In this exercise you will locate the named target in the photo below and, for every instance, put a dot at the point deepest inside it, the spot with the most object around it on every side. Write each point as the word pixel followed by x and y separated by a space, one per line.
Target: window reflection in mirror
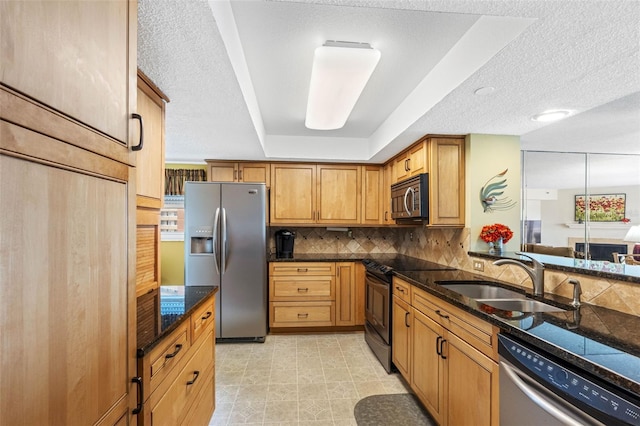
pixel 579 205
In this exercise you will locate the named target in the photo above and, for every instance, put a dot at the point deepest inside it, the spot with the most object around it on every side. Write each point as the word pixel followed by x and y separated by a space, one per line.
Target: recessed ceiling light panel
pixel 551 115
pixel 340 72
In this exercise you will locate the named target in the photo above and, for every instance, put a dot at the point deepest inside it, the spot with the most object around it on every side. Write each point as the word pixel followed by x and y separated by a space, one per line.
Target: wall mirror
pixel 579 205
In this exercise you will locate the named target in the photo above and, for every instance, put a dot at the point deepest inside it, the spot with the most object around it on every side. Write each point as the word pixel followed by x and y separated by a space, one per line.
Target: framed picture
pixel 602 207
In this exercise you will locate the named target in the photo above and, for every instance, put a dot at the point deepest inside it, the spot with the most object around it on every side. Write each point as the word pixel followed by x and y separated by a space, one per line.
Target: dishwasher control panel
pixel 569 383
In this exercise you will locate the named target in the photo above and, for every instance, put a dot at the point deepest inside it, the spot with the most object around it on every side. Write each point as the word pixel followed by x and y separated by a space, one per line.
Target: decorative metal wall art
pixel 491 194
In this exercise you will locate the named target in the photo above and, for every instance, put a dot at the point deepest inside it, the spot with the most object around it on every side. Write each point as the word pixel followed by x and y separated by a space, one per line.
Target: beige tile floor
pixel 297 380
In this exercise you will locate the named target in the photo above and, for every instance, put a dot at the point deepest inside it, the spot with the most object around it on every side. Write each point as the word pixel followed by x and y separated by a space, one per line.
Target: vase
pixel 496 246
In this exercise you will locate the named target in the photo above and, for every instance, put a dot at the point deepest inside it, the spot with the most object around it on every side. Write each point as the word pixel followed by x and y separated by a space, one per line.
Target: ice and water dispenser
pixel 202 240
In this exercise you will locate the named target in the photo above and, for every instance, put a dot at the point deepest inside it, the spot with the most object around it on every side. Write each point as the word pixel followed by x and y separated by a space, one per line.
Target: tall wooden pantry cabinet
pixel 68 197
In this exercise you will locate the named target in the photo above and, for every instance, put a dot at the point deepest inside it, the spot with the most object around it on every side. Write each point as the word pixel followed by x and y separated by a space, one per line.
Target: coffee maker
pixel 284 244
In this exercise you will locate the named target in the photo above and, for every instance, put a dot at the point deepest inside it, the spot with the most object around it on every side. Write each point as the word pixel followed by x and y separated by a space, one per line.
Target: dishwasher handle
pixel 561 412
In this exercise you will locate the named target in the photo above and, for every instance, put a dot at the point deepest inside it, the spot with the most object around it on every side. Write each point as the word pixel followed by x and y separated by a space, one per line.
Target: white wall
pixel 557 214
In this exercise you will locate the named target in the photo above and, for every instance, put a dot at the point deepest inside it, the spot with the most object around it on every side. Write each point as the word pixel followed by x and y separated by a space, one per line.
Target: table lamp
pixel 633 236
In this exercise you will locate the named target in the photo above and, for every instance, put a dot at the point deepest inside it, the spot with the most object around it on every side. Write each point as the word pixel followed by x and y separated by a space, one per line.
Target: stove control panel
pixel 569 383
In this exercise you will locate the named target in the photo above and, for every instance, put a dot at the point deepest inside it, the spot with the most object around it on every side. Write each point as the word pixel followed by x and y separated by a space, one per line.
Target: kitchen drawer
pixel 171 407
pixel 302 314
pixel 202 320
pixel 166 359
pixel 302 288
pixel 402 289
pixel 302 268
pixel 200 412
pixel 476 332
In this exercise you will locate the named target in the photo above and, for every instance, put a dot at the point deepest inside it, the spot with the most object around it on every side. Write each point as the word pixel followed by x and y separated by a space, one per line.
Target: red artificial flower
pixel 492 233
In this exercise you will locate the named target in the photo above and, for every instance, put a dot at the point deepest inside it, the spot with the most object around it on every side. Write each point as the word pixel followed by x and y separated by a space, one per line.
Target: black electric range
pixel 382 266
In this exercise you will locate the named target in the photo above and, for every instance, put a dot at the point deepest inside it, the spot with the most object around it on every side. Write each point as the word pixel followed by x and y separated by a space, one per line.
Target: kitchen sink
pixel 483 291
pixel 520 305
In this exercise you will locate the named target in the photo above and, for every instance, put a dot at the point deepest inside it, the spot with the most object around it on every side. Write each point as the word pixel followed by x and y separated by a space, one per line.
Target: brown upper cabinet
pixel 150 159
pixel 411 162
pixel 443 158
pixel 231 171
pixel 315 194
pixel 356 194
pixel 373 195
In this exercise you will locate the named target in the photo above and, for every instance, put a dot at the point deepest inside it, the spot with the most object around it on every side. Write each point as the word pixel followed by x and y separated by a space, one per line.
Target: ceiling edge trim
pixel 223 15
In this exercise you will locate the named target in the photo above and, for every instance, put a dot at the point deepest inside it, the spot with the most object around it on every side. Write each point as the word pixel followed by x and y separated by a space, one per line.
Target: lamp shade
pixel 633 236
pixel 340 72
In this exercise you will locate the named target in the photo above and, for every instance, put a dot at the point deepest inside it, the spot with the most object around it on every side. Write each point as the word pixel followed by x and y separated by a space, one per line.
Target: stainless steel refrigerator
pixel 225 245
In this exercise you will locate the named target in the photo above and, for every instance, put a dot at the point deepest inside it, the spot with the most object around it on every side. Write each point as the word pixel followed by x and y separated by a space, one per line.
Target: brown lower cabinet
pixel 448 357
pixel 315 294
pixel 179 373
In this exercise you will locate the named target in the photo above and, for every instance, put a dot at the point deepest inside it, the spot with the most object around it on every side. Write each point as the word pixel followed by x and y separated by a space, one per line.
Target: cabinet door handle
pixel 442 342
pixel 206 317
pixel 302 290
pixel 408 164
pixel 138 381
pixel 406 315
pixel 195 377
pixel 438 346
pixel 235 174
pixel 239 174
pixel 175 352
pixel 385 215
pixel 441 315
pixel 141 141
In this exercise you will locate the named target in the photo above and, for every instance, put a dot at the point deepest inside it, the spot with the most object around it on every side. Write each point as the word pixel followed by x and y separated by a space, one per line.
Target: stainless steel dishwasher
pixel 536 389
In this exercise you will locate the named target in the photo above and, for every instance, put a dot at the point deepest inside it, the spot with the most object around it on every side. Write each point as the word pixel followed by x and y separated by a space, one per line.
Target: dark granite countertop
pixel 177 302
pixel 597 268
pixel 601 341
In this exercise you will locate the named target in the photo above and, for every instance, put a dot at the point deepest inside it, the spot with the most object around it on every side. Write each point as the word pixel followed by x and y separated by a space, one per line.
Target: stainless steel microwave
pixel 410 199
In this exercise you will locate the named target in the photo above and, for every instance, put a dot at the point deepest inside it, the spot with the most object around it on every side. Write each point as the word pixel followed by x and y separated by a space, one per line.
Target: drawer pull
pixel 303 269
pixel 195 377
pixel 302 290
pixel 206 317
pixel 442 315
pixel 400 289
pixel 178 348
pixel 303 315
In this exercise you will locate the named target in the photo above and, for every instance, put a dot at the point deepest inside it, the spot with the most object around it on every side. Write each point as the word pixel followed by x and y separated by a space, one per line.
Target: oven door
pixel 378 304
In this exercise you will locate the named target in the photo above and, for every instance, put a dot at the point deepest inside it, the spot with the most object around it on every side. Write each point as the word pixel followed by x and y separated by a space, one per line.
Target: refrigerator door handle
pixel 216 220
pixel 225 241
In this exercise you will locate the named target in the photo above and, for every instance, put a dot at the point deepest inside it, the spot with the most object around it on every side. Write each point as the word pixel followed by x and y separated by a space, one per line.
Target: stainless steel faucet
pixel 577 291
pixel 536 273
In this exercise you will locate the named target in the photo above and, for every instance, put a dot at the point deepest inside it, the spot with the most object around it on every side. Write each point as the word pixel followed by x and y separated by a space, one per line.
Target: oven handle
pixel 406 195
pixel 375 282
pixel 539 399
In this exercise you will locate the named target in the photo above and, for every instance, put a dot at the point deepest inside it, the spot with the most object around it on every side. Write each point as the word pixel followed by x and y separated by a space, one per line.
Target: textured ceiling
pixel 237 74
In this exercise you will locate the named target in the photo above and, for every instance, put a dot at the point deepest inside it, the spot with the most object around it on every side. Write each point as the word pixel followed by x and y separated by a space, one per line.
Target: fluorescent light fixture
pixel 340 72
pixel 551 115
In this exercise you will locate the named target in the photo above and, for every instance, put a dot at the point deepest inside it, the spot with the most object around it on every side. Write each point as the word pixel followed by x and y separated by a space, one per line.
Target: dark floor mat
pixel 396 409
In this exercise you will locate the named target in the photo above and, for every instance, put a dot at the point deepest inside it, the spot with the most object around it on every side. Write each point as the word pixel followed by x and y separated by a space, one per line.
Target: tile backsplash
pixel 449 246
pixel 355 240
